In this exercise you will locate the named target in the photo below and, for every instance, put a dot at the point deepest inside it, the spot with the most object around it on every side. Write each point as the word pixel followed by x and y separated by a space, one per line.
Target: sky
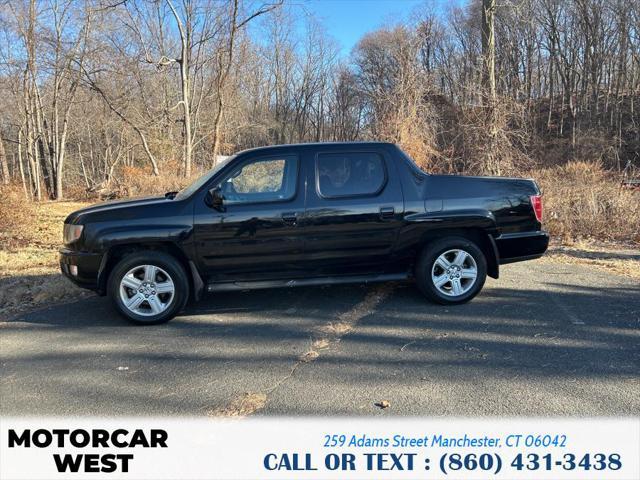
pixel 348 20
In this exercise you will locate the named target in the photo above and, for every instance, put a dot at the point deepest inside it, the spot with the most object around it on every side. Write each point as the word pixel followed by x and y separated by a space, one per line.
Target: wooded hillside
pixel 111 96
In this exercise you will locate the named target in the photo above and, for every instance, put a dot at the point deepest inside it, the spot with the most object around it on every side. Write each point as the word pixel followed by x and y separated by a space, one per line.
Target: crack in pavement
pixel 324 338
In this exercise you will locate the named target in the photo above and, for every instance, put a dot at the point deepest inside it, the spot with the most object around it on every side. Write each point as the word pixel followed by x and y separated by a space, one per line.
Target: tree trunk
pixel 4 167
pixel 488 47
pixel 224 69
pixel 21 168
pixel 185 83
pixel 216 129
pixel 188 144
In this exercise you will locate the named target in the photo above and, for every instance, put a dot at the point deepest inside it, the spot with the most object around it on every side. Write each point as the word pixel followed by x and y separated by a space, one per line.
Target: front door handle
pixel 387 212
pixel 290 218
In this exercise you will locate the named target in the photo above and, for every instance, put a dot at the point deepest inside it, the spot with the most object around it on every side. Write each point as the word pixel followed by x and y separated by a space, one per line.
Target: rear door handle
pixel 290 217
pixel 387 212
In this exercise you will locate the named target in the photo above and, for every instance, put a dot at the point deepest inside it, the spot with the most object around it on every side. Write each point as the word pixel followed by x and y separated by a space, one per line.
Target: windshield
pixel 200 181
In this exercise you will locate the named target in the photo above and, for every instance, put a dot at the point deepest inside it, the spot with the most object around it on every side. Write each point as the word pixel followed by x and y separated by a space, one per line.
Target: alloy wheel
pixel 454 272
pixel 147 290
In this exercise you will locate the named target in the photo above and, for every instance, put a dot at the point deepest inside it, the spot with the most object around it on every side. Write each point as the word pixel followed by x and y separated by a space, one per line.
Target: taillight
pixel 536 203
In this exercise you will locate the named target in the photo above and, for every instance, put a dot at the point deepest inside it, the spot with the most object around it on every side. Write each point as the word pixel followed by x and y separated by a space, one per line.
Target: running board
pixel 305 282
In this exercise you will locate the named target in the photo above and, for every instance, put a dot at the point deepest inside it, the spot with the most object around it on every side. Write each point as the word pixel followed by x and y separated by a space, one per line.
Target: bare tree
pixel 4 167
pixel 225 60
pixel 109 95
pixel 64 35
pixel 488 47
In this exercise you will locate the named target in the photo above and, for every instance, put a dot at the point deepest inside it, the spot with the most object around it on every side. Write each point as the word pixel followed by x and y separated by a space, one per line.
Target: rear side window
pixel 349 174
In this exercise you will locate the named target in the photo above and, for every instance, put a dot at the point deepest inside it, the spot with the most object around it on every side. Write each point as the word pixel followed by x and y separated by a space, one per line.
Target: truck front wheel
pixel 451 270
pixel 148 287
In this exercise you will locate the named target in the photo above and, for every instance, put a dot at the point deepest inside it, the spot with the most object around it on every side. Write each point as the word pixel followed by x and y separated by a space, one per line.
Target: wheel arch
pixel 117 252
pixel 480 237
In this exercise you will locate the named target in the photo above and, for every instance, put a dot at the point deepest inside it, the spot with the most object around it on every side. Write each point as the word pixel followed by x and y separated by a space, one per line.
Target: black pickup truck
pixel 308 214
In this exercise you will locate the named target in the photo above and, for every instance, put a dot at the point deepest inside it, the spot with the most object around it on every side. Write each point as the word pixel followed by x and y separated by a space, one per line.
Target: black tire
pixel 167 265
pixel 425 268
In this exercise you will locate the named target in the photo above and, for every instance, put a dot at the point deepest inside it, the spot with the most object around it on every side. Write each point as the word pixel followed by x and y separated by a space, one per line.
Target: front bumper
pixel 82 268
pixel 517 247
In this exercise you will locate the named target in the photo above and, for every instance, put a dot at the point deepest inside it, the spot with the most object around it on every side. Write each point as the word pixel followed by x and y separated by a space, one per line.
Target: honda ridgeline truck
pixel 301 215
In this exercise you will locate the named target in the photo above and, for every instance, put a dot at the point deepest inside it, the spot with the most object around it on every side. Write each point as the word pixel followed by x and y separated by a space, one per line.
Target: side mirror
pixel 215 199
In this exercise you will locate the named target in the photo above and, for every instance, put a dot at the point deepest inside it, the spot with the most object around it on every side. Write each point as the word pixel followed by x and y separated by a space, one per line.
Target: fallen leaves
pixel 332 332
pixel 309 356
pixel 320 344
pixel 242 406
pixel 346 321
pixel 25 291
pixel 336 329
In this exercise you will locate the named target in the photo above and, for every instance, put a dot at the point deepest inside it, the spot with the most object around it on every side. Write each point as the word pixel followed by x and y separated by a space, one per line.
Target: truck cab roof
pixel 311 145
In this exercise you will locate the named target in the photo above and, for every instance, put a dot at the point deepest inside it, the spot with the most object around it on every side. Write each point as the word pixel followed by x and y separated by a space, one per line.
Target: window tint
pixel 349 174
pixel 262 180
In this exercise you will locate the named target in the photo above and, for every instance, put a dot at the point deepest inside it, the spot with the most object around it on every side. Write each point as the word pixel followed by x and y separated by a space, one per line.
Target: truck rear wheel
pixel 451 270
pixel 148 287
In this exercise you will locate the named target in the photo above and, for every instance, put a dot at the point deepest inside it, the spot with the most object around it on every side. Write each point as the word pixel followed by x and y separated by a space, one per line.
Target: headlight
pixel 71 233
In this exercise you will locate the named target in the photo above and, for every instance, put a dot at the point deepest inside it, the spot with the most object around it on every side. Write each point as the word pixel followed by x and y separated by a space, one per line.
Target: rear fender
pixel 475 224
pixel 469 218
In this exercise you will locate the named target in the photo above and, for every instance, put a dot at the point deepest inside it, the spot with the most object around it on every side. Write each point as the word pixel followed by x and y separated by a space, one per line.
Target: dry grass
pixel 137 182
pixel 615 258
pixel 493 138
pixel 30 236
pixel 584 202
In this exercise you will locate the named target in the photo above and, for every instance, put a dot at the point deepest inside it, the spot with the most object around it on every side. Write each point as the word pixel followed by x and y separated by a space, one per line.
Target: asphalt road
pixel 545 339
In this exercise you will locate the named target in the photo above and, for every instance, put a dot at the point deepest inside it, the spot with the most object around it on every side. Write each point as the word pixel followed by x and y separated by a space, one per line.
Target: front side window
pixel 262 180
pixel 199 182
pixel 349 174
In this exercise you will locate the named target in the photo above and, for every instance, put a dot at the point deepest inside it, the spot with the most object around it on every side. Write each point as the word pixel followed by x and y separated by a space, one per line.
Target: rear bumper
pixel 518 247
pixel 81 268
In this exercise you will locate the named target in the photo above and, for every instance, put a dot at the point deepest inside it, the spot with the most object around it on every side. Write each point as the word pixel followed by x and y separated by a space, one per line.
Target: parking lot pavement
pixel 546 339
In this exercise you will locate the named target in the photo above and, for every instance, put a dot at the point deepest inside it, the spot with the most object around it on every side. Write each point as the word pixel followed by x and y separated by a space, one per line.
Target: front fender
pixel 107 237
pixel 113 240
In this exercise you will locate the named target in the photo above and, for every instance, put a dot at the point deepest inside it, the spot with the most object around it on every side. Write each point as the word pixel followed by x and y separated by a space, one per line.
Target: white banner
pixel 320 448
